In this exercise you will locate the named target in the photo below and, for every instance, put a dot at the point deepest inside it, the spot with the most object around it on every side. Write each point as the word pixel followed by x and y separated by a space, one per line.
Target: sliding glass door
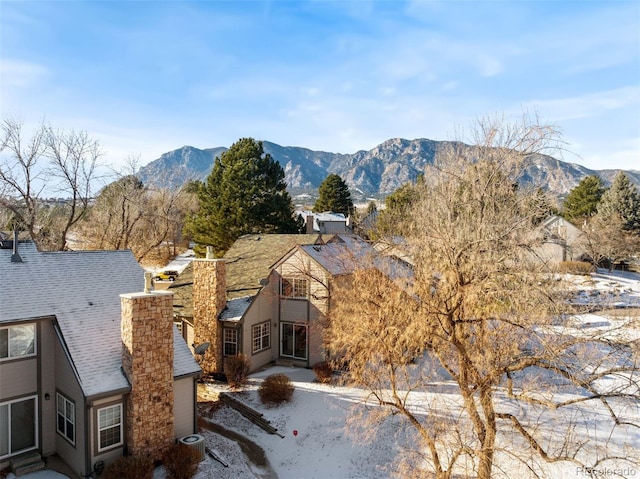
pixel 18 426
pixel 293 340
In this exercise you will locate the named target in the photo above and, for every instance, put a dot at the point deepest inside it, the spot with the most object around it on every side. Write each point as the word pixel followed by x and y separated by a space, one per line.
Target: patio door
pixel 293 340
pixel 18 426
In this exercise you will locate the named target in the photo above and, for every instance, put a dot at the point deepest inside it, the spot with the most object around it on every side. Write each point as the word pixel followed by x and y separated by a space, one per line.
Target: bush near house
pixel 236 368
pixel 576 267
pixel 130 467
pixel 275 389
pixel 181 461
pixel 323 371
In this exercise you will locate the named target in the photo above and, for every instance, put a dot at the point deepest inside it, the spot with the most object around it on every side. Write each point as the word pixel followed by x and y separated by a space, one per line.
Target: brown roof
pixel 248 261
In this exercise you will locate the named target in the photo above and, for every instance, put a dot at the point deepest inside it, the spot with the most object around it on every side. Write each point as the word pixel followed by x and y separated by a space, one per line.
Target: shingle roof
pixel 248 261
pixel 342 255
pixel 82 290
pixel 236 308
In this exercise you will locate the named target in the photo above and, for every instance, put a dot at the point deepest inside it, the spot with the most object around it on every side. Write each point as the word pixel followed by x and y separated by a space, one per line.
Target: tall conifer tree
pixel 582 201
pixel 623 199
pixel 334 196
pixel 245 193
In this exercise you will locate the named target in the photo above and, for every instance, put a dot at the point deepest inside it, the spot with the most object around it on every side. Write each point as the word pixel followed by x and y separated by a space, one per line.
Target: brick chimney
pixel 147 360
pixel 209 299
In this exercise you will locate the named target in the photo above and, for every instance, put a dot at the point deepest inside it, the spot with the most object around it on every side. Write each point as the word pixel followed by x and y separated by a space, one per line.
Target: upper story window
pixel 294 287
pixel 17 341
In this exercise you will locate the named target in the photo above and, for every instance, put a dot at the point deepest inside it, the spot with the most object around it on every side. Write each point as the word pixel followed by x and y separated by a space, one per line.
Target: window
pixel 66 418
pixel 230 342
pixel 18 426
pixel 17 341
pixel 109 427
pixel 261 336
pixel 294 287
pixel 294 340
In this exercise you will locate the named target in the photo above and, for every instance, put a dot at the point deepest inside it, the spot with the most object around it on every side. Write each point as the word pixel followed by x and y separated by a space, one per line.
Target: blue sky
pixel 147 77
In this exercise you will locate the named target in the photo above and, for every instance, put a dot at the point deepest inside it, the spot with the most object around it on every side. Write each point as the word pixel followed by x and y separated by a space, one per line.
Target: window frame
pixel 99 429
pixel 64 434
pixel 34 349
pixel 297 284
pixel 9 404
pixel 225 342
pixel 264 331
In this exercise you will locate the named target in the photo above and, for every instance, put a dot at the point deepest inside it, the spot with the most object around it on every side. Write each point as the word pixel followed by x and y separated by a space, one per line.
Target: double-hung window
pixel 294 287
pixel 230 341
pixel 66 418
pixel 17 341
pixel 109 427
pixel 261 336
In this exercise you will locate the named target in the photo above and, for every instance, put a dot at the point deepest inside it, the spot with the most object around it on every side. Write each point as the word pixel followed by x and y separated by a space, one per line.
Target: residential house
pixel 325 223
pixel 91 365
pixel 247 266
pixel 271 311
pixel 560 241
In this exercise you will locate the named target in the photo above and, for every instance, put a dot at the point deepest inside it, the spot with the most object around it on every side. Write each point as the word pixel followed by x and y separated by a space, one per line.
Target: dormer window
pixel 294 287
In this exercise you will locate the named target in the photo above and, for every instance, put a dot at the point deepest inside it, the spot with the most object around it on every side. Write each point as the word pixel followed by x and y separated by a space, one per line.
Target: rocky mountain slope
pixel 370 174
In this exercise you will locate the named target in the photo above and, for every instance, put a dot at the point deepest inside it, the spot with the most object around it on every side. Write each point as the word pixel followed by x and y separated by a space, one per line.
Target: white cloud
pixel 585 106
pixel 21 74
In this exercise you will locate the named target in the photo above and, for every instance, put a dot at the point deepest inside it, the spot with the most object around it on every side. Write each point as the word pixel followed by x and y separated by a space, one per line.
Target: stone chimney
pixel 209 299
pixel 147 360
pixel 308 221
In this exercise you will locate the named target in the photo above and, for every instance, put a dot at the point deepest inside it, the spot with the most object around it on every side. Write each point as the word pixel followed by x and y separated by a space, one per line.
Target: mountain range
pixel 369 173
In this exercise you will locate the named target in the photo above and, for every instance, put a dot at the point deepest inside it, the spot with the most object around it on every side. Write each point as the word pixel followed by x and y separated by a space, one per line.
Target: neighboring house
pixel 281 318
pixel 561 241
pixel 325 223
pixel 90 367
pixel 248 264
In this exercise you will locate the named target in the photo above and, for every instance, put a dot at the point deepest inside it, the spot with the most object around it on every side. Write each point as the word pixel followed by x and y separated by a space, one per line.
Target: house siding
pixel 183 410
pixel 310 311
pixel 48 348
pixel 261 310
pixel 67 384
pixel 110 455
pixel 18 378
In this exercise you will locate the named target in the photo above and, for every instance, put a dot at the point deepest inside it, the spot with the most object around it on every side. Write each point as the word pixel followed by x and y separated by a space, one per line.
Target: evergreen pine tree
pixel 623 199
pixel 582 201
pixel 334 196
pixel 245 193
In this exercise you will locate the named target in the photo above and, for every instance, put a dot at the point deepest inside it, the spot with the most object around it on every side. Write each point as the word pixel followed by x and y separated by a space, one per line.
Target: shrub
pixel 576 267
pixel 130 467
pixel 323 371
pixel 181 461
pixel 236 368
pixel 275 389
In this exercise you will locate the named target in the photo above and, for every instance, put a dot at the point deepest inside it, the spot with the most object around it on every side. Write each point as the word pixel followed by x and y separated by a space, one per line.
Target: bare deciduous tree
pixel 480 313
pixel 57 163
pixel 127 215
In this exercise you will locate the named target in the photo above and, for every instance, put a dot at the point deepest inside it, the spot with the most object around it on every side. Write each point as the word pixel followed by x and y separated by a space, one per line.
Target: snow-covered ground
pixel 318 442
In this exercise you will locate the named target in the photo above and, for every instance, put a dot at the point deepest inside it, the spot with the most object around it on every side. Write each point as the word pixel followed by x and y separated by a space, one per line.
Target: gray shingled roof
pixel 236 308
pixel 82 290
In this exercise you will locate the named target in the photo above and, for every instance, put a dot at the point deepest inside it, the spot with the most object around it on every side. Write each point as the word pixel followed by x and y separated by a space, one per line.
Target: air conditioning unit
pixel 195 441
